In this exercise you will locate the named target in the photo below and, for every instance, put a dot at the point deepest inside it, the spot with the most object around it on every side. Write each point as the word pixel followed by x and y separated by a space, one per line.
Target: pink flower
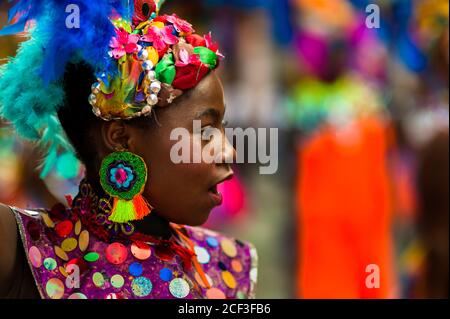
pixel 123 43
pixel 160 38
pixel 179 24
pixel 186 59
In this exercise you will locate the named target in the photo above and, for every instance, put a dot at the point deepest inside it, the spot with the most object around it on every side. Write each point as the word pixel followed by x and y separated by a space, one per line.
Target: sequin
pixel 61 253
pixel 179 288
pixel 112 296
pixel 98 279
pixel 212 242
pixel 228 247
pixel 215 293
pixel 35 256
pixel 116 253
pixel 69 244
pixel 64 228
pixel 117 281
pixel 200 280
pixel 54 288
pixel 83 240
pixel 202 255
pixel 166 274
pixel 77 229
pixel 135 269
pixel 236 265
pixel 229 280
pixel 47 221
pixel 141 286
pixel 140 250
pixel 50 264
pixel 77 295
pixel 91 257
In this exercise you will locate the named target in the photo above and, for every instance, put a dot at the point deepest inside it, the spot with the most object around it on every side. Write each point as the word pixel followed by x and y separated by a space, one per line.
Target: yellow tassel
pixel 124 211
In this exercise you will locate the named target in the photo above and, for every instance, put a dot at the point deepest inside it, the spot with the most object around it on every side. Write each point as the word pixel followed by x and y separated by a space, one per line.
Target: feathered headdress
pixel 141 59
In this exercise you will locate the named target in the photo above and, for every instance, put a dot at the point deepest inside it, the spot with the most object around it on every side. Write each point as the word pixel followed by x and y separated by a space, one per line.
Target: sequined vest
pixel 69 261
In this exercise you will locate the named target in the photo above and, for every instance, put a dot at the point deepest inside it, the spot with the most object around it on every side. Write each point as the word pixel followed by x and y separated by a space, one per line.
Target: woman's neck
pixel 154 225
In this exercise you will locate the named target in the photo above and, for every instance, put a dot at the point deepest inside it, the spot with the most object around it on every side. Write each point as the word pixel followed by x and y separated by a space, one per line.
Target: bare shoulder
pixel 8 247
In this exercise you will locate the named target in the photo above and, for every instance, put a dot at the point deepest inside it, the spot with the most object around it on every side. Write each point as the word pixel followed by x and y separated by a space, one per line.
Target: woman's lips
pixel 215 195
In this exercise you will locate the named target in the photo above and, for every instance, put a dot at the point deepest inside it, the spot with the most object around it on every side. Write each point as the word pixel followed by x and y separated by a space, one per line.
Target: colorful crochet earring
pixel 123 176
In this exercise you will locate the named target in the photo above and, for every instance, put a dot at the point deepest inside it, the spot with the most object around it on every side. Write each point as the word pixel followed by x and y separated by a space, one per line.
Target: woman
pixel 129 78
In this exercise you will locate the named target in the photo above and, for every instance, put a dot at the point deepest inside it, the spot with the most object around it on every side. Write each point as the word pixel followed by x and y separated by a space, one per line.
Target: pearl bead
pixel 92 99
pixel 152 99
pixel 147 65
pixel 95 88
pixel 146 109
pixel 151 75
pixel 96 111
pixel 155 87
pixel 143 54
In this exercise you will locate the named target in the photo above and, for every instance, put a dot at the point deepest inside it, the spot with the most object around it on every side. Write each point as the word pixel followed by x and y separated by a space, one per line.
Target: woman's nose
pixel 228 151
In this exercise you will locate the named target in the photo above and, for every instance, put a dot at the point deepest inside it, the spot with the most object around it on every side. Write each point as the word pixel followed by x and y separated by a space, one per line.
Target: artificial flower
pixel 161 38
pixel 123 43
pixel 184 58
pixel 182 26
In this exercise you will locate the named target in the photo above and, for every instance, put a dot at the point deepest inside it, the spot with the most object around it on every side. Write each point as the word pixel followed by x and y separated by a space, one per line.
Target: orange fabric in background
pixel 344 211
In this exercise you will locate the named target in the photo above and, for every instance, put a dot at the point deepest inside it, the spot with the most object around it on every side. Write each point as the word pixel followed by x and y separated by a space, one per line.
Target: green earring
pixel 123 176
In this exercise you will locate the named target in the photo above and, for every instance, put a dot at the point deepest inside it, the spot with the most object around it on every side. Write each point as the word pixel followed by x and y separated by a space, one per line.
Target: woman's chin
pixel 200 218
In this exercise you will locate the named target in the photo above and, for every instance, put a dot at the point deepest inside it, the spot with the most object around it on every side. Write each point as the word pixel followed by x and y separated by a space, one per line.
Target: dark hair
pixel 76 115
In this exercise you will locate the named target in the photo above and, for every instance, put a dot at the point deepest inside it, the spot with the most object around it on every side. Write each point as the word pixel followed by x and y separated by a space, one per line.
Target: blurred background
pixel 360 101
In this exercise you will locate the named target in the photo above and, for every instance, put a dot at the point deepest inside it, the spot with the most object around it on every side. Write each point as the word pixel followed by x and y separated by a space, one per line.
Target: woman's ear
pixel 115 135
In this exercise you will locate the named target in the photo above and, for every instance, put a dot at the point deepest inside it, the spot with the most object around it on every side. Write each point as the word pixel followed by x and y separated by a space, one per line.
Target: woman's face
pixel 185 193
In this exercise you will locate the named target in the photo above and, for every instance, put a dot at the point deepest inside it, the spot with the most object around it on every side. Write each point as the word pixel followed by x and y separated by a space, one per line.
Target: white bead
pixel 146 109
pixel 143 54
pixel 95 88
pixel 147 65
pixel 151 75
pixel 92 99
pixel 96 111
pixel 155 87
pixel 152 99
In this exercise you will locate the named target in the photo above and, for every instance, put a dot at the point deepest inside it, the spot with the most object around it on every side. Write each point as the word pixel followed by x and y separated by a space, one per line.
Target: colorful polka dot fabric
pixel 67 261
